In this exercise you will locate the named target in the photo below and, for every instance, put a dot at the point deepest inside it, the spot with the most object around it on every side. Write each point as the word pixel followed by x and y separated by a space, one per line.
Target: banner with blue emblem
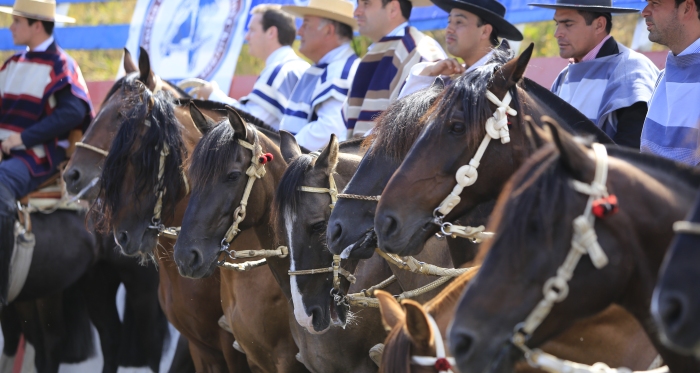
pixel 190 38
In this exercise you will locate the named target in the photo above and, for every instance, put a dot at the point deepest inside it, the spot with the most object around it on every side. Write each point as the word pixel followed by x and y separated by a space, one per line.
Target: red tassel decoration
pixel 604 207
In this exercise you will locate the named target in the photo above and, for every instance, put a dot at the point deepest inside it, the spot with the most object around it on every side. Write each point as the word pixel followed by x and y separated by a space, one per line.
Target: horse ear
pixel 147 76
pixel 513 70
pixel 329 156
pixel 572 155
pixel 288 146
pixel 237 122
pixel 129 64
pixel 392 313
pixel 203 122
pixel 417 325
pixel 438 83
pixel 537 135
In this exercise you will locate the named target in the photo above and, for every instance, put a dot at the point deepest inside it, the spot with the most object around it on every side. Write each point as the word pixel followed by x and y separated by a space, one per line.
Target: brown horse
pixel 534 226
pixel 411 334
pixel 407 214
pixel 193 307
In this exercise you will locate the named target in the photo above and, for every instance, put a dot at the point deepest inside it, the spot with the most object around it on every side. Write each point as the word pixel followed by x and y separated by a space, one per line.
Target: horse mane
pixel 129 79
pixel 450 294
pixel 155 111
pixel 537 191
pixel 401 123
pixel 287 196
pixel 468 92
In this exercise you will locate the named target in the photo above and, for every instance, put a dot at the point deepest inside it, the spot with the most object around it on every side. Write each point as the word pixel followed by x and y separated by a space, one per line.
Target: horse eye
pixel 318 227
pixel 458 128
pixel 233 176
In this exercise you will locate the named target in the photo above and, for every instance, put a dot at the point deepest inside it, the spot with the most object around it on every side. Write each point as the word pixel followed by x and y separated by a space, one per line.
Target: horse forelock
pixel 210 157
pixel 138 148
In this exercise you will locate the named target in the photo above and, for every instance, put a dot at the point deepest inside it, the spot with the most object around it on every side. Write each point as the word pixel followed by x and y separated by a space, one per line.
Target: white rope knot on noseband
pixel 440 361
pixel 496 128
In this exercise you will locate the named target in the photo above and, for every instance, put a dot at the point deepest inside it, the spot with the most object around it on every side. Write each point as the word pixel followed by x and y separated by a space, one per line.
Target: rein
pixel 556 289
pixel 496 128
pixel 440 361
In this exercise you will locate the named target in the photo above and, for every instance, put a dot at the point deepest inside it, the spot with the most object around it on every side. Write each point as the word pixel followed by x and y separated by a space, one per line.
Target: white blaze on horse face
pixel 299 310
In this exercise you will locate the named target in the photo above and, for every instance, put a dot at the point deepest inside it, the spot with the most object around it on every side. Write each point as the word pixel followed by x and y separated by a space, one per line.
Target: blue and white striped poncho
pixel 671 127
pixel 599 87
pixel 330 79
pixel 276 82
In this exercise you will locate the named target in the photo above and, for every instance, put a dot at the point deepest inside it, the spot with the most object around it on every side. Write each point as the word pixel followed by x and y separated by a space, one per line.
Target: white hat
pixel 43 10
pixel 336 10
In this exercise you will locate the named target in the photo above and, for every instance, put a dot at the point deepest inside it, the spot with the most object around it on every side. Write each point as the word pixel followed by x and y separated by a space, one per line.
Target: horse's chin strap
pixel 441 362
pixel 255 171
pixel 496 128
pixel 556 289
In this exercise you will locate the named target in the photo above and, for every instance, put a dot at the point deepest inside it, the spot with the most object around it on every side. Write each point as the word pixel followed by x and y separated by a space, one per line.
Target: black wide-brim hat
pixel 491 11
pixel 599 6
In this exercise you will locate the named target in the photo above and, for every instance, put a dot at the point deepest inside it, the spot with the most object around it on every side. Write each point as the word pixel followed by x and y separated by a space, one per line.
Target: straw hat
pixel 600 6
pixel 43 10
pixel 336 10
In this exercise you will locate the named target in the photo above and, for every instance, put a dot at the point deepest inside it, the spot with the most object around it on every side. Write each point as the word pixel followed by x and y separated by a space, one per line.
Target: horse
pixel 210 346
pixel 409 211
pixel 411 334
pixel 351 224
pixel 623 233
pixel 674 302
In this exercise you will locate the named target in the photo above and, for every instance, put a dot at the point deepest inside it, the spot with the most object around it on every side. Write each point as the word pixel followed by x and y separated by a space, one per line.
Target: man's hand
pixel 449 66
pixel 13 141
pixel 204 91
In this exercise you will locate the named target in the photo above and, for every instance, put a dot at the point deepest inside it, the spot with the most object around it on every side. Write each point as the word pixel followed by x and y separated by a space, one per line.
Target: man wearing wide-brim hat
pixel 606 81
pixel 396 48
pixel 44 97
pixel 472 33
pixel 313 112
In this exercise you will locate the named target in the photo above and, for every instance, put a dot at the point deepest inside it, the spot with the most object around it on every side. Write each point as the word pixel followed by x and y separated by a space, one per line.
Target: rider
pixel 271 33
pixel 396 48
pixel 671 126
pixel 472 34
pixel 43 97
pixel 609 83
pixel 314 110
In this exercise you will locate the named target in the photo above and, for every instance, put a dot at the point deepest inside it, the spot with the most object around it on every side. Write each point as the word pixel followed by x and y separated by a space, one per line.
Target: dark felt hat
pixel 600 6
pixel 491 11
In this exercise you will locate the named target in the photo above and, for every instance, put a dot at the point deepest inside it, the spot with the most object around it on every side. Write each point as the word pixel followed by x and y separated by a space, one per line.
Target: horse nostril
pixel 335 232
pixel 72 175
pixel 389 226
pixel 122 238
pixel 461 344
pixel 672 309
pixel 195 258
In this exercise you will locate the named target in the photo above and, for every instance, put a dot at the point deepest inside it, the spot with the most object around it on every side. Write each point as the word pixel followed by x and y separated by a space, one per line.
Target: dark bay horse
pixel 222 171
pixel 675 304
pixel 406 214
pixel 411 334
pixel 534 226
pixel 193 307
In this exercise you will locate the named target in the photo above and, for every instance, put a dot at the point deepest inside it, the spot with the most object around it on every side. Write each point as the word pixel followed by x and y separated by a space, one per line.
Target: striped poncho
pixel 671 128
pixel 599 87
pixel 381 75
pixel 28 82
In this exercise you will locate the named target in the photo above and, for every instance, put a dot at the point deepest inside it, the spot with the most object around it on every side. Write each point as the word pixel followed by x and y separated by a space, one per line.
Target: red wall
pixel 542 70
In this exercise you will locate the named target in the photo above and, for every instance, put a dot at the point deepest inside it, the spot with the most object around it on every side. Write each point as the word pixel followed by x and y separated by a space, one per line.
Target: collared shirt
pixel 692 48
pixel 593 53
pixel 43 46
pixel 399 31
pixel 415 82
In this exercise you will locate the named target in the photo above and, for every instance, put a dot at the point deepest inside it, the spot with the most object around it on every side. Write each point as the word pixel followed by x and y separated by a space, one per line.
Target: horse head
pixel 557 207
pixel 304 200
pixel 230 192
pixel 85 166
pixel 351 225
